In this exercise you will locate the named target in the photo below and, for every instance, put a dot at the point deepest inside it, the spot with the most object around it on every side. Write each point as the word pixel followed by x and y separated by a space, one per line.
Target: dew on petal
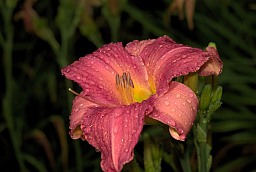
pixel 189 101
pixel 87 130
pixel 67 70
pixel 191 95
pixel 115 131
pixel 178 96
pixel 167 103
pixel 117 114
pixel 180 131
pixel 171 123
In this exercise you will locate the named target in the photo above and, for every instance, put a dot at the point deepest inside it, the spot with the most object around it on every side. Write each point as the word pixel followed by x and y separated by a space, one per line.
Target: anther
pixel 117 80
pixel 125 86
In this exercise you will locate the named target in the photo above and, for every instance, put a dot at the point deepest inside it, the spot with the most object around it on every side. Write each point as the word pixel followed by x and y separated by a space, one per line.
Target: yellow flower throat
pixel 129 91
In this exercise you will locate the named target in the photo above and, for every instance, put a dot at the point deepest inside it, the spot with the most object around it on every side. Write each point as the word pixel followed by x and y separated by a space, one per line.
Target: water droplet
pixel 87 90
pixel 87 130
pixel 115 131
pixel 78 77
pixel 68 70
pixel 167 103
pixel 189 101
pixel 81 104
pixel 191 95
pixel 171 123
pixel 173 110
pixel 180 131
pixel 117 114
pixel 184 104
pixel 178 96
pixel 126 150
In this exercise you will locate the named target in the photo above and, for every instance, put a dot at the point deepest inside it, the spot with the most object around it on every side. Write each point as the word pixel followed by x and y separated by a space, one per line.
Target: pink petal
pixel 165 59
pixel 177 108
pixel 80 107
pixel 214 65
pixel 96 73
pixel 115 132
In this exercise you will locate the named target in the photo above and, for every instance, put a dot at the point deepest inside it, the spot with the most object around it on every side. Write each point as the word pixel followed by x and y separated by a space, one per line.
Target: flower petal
pixel 177 108
pixel 115 132
pixel 96 73
pixel 165 59
pixel 214 65
pixel 79 109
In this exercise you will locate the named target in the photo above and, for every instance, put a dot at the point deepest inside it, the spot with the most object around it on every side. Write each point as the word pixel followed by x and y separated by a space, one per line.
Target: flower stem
pixel 185 161
pixel 202 145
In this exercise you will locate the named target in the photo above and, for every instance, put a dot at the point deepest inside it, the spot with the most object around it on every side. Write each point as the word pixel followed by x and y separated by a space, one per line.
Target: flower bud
pixel 205 97
pixel 217 94
pixel 191 80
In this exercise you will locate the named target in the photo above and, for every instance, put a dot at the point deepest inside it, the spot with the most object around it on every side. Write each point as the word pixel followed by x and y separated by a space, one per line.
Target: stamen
pixel 125 86
pixel 131 83
pixel 117 80
pixel 72 91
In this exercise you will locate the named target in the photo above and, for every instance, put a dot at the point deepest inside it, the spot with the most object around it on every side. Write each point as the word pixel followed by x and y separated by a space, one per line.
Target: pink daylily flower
pixel 123 85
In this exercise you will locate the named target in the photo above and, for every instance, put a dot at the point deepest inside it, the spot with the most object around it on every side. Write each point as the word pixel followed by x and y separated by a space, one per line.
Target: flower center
pixel 125 86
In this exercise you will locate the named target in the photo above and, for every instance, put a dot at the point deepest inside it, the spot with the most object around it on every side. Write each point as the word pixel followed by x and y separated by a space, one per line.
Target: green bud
pixel 217 94
pixel 191 80
pixel 205 97
pixel 212 44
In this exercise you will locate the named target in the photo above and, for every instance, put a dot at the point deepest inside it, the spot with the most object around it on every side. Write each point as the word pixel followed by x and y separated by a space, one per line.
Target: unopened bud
pixel 205 97
pixel 217 94
pixel 191 80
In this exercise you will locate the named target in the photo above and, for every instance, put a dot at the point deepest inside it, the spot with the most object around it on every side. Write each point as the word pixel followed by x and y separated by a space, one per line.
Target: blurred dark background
pixel 38 38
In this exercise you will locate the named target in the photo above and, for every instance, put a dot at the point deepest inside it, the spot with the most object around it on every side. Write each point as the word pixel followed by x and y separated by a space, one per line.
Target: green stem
pixel 202 144
pixel 185 162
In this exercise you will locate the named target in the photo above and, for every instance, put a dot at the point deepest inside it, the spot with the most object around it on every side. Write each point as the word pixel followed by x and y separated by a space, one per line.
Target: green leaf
pixel 153 154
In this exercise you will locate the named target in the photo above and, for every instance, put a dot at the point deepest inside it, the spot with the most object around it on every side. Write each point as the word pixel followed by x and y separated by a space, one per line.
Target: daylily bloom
pixel 123 85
